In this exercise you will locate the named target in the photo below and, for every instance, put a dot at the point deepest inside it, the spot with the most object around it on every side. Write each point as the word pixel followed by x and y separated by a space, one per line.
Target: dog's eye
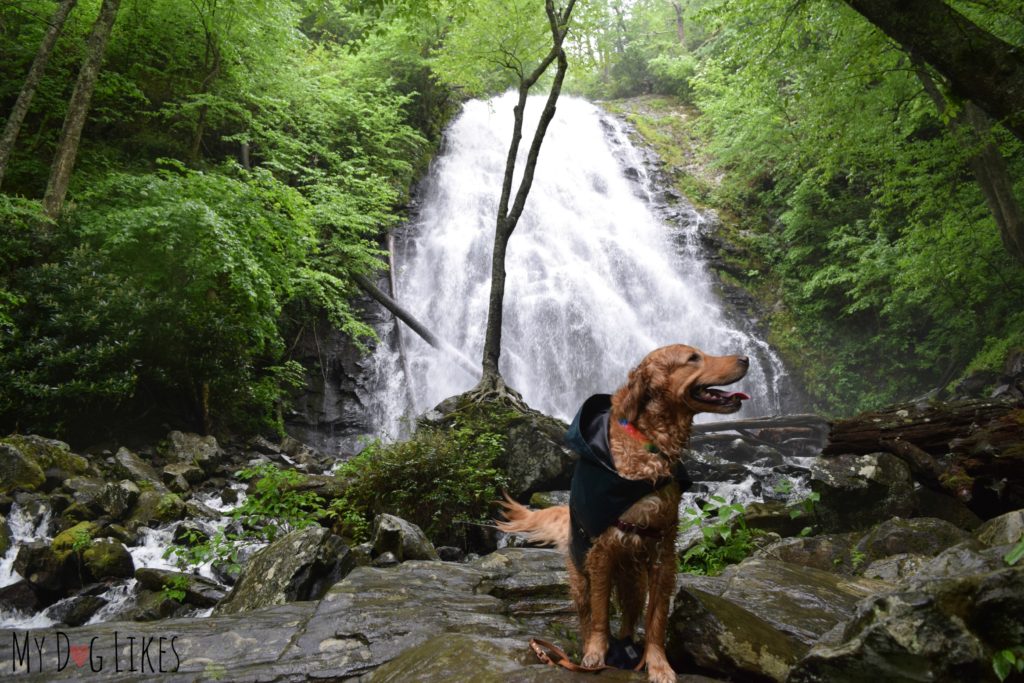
pixel 694 358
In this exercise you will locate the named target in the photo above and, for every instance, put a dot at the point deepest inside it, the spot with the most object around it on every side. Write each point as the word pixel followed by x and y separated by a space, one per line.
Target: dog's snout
pixel 743 360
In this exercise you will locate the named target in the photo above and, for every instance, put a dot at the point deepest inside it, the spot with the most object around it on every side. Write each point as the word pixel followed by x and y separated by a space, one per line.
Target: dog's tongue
pixel 738 394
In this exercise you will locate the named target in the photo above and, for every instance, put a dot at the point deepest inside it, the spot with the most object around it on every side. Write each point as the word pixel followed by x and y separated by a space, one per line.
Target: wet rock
pixel 931 503
pixel 45 569
pixel 761 618
pixel 153 508
pixel 534 584
pixel 827 552
pixel 5 536
pixel 1002 530
pixel 75 539
pixel 448 553
pixel 302 565
pixel 860 490
pixel 404 539
pixel 941 630
pixel 919 536
pixel 87 492
pixel 202 451
pixel 229 496
pixel 895 568
pixel 199 592
pixel 19 596
pixel 17 472
pixel 77 610
pixel 25 459
pixel 190 534
pixel 117 498
pixel 108 560
pixel 263 446
pixel 960 560
pixel 198 510
pixel 155 605
pixel 549 499
pixel 386 559
pixel 128 464
pixel 774 516
pixel 188 471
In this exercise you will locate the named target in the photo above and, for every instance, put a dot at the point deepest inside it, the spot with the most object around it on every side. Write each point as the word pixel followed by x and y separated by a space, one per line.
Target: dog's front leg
pixel 662 582
pixel 599 567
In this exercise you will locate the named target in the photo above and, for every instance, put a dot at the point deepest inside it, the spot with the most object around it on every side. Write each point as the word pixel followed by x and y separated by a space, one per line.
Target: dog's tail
pixel 549 526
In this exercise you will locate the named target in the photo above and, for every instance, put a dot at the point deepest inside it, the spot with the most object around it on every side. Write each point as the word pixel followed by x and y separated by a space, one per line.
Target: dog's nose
pixel 742 360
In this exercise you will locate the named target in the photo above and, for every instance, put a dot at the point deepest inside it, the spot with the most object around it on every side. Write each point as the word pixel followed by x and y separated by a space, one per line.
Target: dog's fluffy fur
pixel 661 397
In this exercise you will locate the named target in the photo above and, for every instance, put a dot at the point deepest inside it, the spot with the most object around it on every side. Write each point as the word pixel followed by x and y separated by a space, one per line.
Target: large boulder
pixel 404 539
pixel 759 617
pixel 860 490
pixel 938 630
pixel 76 610
pixel 108 560
pixel 25 460
pixel 535 457
pixel 198 591
pixel 18 472
pixel 203 451
pixel 924 536
pixel 129 465
pixel 827 552
pixel 302 565
pixel 153 507
pixel 118 497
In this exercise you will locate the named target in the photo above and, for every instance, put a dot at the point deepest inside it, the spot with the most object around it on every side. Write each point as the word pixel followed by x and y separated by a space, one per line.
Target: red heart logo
pixel 80 653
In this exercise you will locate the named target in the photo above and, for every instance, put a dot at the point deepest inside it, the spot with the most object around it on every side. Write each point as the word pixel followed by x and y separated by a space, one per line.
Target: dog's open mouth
pixel 718 397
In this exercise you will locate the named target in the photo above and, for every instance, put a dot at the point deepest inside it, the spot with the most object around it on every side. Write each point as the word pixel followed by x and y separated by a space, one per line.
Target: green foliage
pixel 439 479
pixel 174 588
pixel 1016 552
pixel 1006 661
pixel 805 508
pixel 275 506
pixel 725 538
pixel 81 541
pixel 172 280
pixel 857 558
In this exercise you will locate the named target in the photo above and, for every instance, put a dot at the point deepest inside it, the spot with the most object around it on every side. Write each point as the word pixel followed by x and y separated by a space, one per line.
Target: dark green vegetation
pixel 444 479
pixel 238 164
pixel 241 160
pixel 857 185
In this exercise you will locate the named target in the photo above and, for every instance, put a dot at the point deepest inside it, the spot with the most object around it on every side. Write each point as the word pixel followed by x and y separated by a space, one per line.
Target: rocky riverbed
pixel 880 578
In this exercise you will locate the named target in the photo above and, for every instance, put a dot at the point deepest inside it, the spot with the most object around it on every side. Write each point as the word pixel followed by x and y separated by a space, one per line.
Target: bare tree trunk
pixel 680 23
pixel 979 66
pixel 508 218
pixel 211 75
pixel 78 108
pixel 28 89
pixel 988 165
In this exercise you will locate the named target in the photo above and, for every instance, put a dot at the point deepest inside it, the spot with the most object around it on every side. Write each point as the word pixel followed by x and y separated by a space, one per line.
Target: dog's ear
pixel 638 392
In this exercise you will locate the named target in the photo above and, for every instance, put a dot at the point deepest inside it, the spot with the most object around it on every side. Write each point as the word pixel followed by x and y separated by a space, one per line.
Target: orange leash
pixel 552 655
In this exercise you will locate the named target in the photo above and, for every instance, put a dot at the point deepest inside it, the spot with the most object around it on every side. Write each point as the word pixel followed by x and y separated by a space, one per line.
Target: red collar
pixel 638 435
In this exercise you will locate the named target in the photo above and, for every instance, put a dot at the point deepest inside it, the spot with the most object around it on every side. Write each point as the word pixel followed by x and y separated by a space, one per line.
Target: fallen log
pixel 815 422
pixel 973 450
pixel 929 426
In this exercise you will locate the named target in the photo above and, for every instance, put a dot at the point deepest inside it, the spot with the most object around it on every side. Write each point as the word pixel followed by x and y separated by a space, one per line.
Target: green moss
pixel 75 539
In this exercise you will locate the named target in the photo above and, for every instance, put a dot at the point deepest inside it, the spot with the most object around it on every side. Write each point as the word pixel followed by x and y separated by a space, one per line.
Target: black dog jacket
pixel 598 495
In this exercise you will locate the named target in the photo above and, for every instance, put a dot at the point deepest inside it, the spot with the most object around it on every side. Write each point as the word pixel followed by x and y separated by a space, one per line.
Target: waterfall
pixel 595 277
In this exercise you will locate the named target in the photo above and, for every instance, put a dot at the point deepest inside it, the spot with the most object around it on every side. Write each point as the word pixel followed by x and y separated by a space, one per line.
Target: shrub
pixel 438 479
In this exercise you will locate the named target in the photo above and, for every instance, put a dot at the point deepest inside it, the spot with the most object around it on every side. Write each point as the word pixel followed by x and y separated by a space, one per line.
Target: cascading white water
pixel 595 280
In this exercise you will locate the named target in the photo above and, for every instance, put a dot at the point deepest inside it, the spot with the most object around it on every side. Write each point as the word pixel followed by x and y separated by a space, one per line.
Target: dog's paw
pixel 660 673
pixel 593 659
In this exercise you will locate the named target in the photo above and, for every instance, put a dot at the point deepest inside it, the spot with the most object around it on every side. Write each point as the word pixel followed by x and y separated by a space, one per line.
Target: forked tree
pixel 510 208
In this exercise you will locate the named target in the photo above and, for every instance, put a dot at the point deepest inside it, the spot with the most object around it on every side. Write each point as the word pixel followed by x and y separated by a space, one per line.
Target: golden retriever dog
pixel 620 526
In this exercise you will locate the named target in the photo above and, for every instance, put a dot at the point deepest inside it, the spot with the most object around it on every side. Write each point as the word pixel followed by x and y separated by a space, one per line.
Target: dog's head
pixel 682 378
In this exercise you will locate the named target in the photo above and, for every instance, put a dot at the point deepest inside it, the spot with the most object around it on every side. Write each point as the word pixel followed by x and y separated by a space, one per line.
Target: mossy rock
pixel 63 543
pixel 155 507
pixel 47 453
pixel 109 560
pixel 17 472
pixel 5 536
